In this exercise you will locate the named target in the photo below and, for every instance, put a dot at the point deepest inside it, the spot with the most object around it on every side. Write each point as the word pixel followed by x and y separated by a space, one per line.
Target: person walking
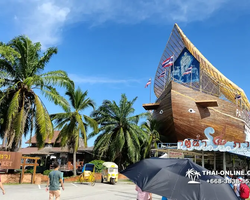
pixel 1 186
pixel 143 195
pixel 230 178
pixel 53 185
pixel 241 189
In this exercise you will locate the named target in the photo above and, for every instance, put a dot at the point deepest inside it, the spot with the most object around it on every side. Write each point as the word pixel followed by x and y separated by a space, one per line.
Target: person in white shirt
pixel 237 187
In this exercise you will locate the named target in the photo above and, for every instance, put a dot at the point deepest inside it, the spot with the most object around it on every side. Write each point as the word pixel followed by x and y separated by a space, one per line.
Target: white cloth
pixel 237 185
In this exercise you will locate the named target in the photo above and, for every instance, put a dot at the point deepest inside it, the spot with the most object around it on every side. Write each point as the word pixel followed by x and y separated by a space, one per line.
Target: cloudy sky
pixel 110 47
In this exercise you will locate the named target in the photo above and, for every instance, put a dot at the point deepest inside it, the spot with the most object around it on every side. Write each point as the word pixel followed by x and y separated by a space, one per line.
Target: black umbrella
pixel 177 179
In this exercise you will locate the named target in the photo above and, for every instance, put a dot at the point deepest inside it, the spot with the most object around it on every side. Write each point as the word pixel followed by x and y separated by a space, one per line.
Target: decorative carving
pixel 205 142
pixel 219 139
pixel 247 144
pixel 188 143
pixel 181 142
pixel 237 143
pixel 196 143
pixel 191 110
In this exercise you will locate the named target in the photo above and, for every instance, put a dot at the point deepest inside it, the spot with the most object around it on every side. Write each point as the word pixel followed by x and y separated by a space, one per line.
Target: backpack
pixel 244 191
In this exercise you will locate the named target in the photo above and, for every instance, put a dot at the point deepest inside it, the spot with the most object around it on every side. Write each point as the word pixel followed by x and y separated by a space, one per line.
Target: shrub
pixel 98 165
pixel 46 172
pixel 29 171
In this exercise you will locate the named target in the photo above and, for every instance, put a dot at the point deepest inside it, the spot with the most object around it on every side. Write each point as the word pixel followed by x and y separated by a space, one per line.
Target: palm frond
pixel 92 123
pixel 117 144
pixel 40 119
pixel 59 78
pixel 81 127
pixel 49 125
pixel 8 53
pixel 13 108
pixel 51 94
pixel 19 125
pixel 47 56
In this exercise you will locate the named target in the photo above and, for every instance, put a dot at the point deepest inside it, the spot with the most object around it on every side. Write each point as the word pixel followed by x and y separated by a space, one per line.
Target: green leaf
pixel 13 108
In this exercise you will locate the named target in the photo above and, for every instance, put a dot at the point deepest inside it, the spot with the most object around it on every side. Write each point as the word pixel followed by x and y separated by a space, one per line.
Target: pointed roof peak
pixel 175 45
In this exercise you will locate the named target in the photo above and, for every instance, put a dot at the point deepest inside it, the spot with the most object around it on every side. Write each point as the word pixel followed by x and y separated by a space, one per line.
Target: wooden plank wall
pixel 188 125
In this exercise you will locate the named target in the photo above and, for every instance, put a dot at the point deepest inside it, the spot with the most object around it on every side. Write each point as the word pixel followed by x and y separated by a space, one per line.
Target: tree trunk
pixel 74 162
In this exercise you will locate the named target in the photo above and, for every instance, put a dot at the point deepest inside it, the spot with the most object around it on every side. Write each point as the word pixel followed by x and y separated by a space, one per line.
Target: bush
pixel 46 172
pixel 98 165
pixel 29 171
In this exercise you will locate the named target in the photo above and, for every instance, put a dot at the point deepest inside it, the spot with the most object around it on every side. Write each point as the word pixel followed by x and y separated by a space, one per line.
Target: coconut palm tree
pixel 22 78
pixel 8 53
pixel 151 128
pixel 119 136
pixel 73 123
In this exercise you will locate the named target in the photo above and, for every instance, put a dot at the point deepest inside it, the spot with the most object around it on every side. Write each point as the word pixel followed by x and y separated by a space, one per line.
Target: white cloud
pixel 44 20
pixel 100 80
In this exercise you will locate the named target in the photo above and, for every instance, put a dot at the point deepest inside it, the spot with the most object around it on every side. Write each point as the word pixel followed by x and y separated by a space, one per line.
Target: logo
pixel 193 175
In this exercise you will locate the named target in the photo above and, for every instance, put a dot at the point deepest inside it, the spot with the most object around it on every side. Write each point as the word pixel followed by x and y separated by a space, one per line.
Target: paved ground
pixel 75 191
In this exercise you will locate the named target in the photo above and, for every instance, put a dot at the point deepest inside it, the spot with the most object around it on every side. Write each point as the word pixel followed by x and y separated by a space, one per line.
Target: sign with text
pixel 10 160
pixel 173 154
pixel 217 143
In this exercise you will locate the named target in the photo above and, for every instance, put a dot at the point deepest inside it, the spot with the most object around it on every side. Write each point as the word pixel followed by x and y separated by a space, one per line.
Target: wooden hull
pixel 179 123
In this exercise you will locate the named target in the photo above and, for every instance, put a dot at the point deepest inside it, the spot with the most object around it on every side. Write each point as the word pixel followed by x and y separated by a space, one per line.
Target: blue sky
pixel 110 47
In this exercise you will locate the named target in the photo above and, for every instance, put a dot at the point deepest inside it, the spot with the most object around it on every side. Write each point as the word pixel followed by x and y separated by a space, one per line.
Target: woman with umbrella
pixel 143 195
pixel 171 178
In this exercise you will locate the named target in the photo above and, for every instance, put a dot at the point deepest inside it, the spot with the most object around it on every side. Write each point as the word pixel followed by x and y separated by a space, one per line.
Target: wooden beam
pixel 33 158
pixel 34 172
pixel 23 165
pixel 150 106
pixel 207 103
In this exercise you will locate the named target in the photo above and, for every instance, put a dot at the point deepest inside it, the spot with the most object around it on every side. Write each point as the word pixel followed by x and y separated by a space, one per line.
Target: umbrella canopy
pixel 177 179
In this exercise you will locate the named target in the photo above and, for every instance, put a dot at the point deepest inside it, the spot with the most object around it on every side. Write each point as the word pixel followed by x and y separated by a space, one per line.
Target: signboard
pixel 214 144
pixel 173 154
pixel 10 160
pixel 186 68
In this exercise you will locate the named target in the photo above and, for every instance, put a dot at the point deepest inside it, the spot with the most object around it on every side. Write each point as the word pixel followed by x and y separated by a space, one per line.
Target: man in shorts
pixel 53 185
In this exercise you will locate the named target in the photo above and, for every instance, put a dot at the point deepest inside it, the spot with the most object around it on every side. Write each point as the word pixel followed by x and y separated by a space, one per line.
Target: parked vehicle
pixel 110 173
pixel 88 174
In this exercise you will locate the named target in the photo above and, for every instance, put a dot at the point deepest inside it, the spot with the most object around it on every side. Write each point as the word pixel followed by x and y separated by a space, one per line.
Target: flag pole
pixel 170 68
pixel 165 78
pixel 191 76
pixel 150 90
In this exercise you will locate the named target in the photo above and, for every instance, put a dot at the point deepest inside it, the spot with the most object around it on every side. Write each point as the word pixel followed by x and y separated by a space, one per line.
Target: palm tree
pixel 119 136
pixel 151 128
pixel 8 53
pixel 21 78
pixel 71 122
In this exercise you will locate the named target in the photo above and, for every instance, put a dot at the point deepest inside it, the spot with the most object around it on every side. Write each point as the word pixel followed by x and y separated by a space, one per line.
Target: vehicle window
pixel 113 170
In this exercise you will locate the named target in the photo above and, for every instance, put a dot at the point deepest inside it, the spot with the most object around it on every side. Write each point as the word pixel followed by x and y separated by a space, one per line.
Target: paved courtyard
pixel 75 191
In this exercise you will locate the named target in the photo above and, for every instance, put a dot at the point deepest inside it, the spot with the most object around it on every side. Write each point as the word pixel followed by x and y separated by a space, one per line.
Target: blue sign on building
pixel 185 68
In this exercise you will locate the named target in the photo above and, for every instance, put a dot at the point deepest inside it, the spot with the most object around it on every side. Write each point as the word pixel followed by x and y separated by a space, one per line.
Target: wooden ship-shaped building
pixel 193 95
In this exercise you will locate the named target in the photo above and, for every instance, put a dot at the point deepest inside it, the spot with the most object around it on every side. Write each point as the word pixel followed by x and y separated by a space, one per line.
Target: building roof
pixel 33 139
pixel 175 45
pixel 50 150
pixel 28 150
